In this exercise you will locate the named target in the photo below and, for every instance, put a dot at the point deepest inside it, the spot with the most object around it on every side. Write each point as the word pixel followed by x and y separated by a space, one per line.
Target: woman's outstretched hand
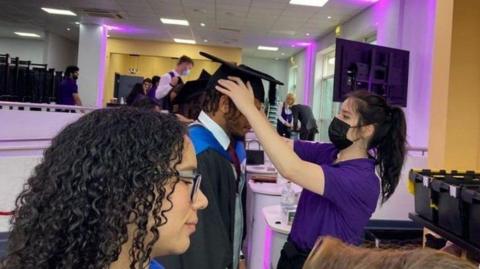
pixel 238 92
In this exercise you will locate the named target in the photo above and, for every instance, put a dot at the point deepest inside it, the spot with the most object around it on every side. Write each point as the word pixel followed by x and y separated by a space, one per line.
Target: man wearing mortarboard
pixel 217 137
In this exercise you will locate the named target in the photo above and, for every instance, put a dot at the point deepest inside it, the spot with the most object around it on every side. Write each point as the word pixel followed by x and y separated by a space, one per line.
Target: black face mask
pixel 337 132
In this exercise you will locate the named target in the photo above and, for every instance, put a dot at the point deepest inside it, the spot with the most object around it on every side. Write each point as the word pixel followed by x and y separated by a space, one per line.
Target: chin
pixel 181 247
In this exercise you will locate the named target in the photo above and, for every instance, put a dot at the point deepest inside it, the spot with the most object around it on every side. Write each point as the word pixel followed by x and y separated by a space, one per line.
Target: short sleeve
pixel 74 88
pixel 347 188
pixel 319 153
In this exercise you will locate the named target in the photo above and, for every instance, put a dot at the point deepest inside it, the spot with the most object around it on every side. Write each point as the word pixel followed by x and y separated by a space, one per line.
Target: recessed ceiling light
pixel 58 11
pixel 267 48
pixel 174 21
pixel 307 34
pixel 77 23
pixel 202 24
pixel 283 53
pixel 276 59
pixel 186 41
pixel 68 29
pixel 293 46
pixel 312 3
pixel 26 34
pixel 205 40
pixel 108 35
pixel 329 17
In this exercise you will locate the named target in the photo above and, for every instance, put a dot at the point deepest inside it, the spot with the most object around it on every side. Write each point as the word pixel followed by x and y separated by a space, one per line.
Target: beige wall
pixel 156 58
pixel 455 113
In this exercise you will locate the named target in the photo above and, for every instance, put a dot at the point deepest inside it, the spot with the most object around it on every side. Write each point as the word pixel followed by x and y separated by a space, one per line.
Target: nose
pixel 201 201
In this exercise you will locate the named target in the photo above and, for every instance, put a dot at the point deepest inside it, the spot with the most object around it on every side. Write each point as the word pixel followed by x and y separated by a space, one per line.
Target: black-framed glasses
pixel 193 178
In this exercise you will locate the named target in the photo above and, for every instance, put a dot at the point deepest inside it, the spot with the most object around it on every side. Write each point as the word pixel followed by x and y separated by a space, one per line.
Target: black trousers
pixel 291 257
pixel 308 135
pixel 283 130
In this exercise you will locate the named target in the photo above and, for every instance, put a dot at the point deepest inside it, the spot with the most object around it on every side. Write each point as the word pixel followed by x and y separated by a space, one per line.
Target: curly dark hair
pixel 103 172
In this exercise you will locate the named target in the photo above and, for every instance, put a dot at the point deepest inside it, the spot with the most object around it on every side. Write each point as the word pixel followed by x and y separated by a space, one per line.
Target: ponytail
pixel 388 142
pixel 390 153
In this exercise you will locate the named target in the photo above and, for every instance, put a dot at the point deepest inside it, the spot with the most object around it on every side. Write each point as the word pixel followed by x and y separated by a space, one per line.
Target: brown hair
pixel 185 59
pixel 331 253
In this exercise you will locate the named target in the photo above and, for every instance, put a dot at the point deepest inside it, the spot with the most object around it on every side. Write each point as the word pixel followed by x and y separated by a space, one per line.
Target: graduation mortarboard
pixel 272 86
pixel 192 89
pixel 269 78
pixel 243 72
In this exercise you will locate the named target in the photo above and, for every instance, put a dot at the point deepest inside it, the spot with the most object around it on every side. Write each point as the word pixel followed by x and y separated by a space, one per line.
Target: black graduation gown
pixel 211 246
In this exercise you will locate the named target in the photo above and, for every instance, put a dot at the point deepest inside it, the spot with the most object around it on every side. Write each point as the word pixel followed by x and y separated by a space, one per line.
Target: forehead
pixel 189 159
pixel 348 105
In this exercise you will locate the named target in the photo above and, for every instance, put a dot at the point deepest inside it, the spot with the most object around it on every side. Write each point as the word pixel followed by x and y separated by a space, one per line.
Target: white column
pixel 91 61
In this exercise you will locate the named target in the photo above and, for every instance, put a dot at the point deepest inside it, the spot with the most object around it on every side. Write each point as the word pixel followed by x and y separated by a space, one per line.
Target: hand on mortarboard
pixel 238 92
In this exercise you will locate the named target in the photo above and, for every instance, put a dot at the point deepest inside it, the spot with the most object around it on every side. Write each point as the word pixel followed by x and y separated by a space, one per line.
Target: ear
pixel 224 104
pixel 368 131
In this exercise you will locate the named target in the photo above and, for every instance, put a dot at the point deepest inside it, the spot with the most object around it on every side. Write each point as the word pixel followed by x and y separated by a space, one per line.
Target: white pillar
pixel 91 61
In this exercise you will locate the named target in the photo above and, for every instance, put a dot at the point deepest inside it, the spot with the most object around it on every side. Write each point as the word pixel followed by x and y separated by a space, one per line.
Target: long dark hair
pixel 103 172
pixel 388 142
pixel 134 93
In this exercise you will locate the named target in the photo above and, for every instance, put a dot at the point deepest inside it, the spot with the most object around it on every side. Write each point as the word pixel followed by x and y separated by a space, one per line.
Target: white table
pixel 259 196
pixel 276 234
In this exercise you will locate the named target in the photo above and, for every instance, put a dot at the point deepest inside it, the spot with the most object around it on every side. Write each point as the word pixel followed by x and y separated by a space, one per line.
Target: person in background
pixel 139 90
pixel 191 96
pixel 68 89
pixel 341 188
pixel 153 88
pixel 173 78
pixel 304 122
pixel 285 117
pixel 147 85
pixel 116 188
pixel 331 253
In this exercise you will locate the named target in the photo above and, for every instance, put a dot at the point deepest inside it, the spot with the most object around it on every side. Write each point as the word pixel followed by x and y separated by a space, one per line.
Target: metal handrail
pixel 42 105
pixel 423 150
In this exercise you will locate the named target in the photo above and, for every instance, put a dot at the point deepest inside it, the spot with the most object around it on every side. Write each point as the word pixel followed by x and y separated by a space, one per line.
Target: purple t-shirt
pixel 350 197
pixel 67 88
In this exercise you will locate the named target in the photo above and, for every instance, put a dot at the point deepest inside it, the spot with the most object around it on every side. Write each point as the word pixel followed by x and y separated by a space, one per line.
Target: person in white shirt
pixel 285 117
pixel 171 79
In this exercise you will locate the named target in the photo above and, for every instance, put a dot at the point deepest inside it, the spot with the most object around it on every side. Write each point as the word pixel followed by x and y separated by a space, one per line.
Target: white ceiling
pixel 238 23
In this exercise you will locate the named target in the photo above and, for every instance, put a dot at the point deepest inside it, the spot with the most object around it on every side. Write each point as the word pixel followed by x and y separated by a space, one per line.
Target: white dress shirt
pixel 164 86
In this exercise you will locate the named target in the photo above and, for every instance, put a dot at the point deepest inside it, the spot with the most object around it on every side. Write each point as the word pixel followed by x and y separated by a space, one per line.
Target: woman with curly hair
pixel 115 188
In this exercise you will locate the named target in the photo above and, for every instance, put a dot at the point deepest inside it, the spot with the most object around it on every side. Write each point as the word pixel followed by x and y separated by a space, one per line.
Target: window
pixel 323 106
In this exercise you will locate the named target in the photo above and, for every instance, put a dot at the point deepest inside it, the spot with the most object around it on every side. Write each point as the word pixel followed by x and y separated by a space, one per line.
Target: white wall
pixel 91 61
pixel 276 68
pixel 60 52
pixel 299 60
pixel 25 49
pixel 21 148
pixel 54 50
pixel 402 202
